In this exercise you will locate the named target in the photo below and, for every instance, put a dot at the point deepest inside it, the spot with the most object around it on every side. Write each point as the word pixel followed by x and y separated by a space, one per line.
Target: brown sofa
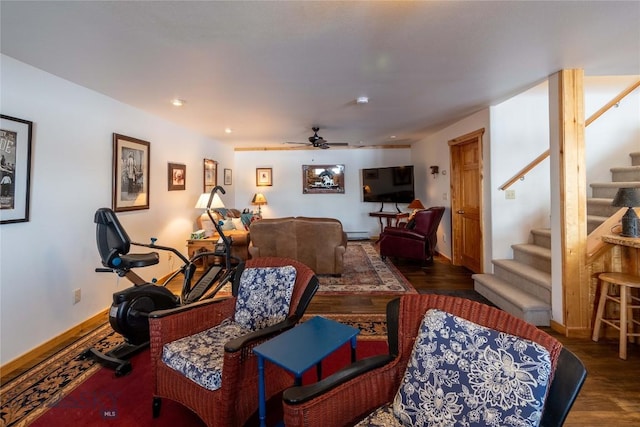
pixel 319 243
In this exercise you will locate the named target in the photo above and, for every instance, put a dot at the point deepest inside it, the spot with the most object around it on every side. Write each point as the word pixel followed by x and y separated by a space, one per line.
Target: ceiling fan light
pixel 362 100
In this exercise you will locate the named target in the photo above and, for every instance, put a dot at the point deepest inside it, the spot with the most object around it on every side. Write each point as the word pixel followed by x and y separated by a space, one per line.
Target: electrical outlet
pixel 444 196
pixel 510 194
pixel 77 296
pixel 444 238
pixel 170 257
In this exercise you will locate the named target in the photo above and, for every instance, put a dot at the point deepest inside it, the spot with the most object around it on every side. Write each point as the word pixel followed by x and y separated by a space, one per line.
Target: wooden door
pixel 466 201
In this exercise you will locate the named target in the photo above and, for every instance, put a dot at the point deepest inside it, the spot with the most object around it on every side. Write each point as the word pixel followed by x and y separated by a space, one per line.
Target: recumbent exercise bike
pixel 129 312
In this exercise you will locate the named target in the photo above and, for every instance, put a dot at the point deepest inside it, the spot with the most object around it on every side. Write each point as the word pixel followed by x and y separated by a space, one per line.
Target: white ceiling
pixel 272 70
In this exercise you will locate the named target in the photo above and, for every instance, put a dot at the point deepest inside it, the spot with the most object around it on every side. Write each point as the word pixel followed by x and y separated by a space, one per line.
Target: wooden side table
pixel 201 245
pixel 390 216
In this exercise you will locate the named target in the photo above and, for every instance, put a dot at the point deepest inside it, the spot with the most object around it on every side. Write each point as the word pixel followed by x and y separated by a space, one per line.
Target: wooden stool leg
pixel 604 291
pixel 624 292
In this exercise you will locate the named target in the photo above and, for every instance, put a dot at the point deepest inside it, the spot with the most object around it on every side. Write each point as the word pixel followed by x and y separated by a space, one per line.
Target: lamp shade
pixel 627 197
pixel 259 199
pixel 415 204
pixel 203 201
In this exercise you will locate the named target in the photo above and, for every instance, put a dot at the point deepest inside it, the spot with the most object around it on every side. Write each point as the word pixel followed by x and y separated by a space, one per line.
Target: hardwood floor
pixel 611 394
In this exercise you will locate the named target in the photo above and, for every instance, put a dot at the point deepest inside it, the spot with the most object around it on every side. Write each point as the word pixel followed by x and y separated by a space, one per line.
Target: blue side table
pixel 298 349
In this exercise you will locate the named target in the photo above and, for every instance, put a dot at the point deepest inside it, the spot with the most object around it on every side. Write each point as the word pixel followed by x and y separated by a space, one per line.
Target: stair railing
pixel 590 120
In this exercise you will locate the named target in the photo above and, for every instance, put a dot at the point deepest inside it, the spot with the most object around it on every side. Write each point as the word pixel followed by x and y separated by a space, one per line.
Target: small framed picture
pixel 210 175
pixel 263 177
pixel 15 169
pixel 177 176
pixel 227 177
pixel 130 173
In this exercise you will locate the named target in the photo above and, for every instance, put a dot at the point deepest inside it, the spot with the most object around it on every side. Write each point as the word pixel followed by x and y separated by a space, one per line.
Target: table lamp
pixel 204 220
pixel 629 198
pixel 259 199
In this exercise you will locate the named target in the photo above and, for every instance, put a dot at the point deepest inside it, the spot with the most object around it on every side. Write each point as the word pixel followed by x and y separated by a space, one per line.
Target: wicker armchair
pixel 237 398
pixel 351 394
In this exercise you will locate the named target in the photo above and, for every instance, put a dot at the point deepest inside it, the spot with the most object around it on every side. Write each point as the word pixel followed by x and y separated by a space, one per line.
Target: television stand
pixel 382 208
pixel 390 216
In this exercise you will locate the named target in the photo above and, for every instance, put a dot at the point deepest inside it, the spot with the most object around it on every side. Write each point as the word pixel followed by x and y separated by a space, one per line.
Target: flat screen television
pixel 388 184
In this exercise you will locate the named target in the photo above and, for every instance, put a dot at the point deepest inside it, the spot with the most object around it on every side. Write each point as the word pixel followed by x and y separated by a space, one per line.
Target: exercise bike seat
pixel 114 244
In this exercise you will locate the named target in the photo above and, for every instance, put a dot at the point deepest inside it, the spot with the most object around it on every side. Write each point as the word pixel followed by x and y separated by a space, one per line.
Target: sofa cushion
pixel 462 373
pixel 264 296
pixel 199 357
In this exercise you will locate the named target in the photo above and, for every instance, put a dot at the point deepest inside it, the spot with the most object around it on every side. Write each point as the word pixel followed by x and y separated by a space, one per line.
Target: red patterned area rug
pixel 365 272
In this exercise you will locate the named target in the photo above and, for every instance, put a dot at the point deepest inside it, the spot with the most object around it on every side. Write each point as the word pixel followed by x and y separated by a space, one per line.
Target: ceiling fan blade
pixel 298 143
pixel 338 143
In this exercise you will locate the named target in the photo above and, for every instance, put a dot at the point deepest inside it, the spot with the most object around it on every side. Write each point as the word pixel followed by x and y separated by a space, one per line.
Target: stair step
pixel 531 280
pixel 541 237
pixel 608 190
pixel 635 158
pixel 513 300
pixel 533 255
pixel 600 207
pixel 625 174
pixel 594 221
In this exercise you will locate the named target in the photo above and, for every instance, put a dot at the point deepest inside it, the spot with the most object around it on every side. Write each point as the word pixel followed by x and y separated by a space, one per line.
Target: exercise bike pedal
pixel 116 358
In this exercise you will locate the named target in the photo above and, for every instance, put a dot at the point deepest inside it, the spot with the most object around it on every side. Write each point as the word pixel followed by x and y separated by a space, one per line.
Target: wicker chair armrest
pixel 169 325
pixel 296 395
pixel 346 403
pixel 260 335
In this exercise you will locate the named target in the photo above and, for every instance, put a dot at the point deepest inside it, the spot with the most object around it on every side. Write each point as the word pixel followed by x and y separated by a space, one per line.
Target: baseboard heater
pixel 357 235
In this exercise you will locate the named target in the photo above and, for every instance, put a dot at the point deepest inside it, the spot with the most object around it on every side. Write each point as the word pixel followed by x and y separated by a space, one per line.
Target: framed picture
pixel 177 176
pixel 227 177
pixel 15 169
pixel 263 177
pixel 210 175
pixel 130 173
pixel 323 179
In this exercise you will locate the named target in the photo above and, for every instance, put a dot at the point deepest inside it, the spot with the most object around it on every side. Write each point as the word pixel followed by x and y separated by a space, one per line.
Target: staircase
pixel 599 206
pixel 522 285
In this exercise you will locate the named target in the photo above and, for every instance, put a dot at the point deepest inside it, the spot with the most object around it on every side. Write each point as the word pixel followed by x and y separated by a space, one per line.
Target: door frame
pixel 455 180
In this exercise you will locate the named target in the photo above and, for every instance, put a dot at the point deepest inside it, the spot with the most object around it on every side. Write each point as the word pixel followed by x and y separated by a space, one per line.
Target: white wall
pixel 42 261
pixel 519 134
pixel 611 138
pixel 435 191
pixel 285 196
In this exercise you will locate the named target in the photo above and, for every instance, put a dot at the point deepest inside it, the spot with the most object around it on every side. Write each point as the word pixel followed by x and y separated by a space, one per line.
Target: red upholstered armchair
pixel 417 240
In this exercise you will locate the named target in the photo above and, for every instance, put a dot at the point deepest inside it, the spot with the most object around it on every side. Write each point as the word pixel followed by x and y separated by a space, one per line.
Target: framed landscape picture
pixel 210 175
pixel 176 176
pixel 227 177
pixel 15 169
pixel 130 173
pixel 323 179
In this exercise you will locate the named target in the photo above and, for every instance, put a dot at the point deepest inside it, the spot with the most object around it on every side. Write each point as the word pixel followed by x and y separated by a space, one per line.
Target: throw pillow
pixel 237 223
pixel 264 296
pixel 246 219
pixel 462 373
pixel 226 225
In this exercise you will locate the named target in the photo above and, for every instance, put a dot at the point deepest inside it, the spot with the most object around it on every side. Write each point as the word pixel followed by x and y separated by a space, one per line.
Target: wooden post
pixel 567 141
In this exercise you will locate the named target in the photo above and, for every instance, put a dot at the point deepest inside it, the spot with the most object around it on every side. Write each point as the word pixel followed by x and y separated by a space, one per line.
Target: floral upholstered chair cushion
pixel 461 373
pixel 264 296
pixel 199 357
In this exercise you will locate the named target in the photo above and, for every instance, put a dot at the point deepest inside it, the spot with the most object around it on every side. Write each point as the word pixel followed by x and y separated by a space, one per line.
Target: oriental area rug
pixel 365 273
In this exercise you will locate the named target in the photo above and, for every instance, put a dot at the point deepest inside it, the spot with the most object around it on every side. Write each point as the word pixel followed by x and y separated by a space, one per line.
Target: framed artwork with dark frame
pixel 322 179
pixel 130 173
pixel 210 175
pixel 15 169
pixel 227 177
pixel 176 176
pixel 264 177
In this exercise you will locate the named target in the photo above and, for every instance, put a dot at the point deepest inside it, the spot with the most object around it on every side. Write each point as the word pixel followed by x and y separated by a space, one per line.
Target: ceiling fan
pixel 317 141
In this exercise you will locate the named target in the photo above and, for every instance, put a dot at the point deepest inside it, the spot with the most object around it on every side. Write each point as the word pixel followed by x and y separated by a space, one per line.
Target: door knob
pixel 460 211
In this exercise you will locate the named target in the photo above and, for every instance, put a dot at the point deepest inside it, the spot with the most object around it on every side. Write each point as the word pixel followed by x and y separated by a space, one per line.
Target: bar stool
pixel 625 323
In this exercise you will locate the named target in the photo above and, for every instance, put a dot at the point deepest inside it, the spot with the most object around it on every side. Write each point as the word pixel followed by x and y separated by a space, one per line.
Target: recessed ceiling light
pixel 178 102
pixel 228 130
pixel 362 100
pixel 392 137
